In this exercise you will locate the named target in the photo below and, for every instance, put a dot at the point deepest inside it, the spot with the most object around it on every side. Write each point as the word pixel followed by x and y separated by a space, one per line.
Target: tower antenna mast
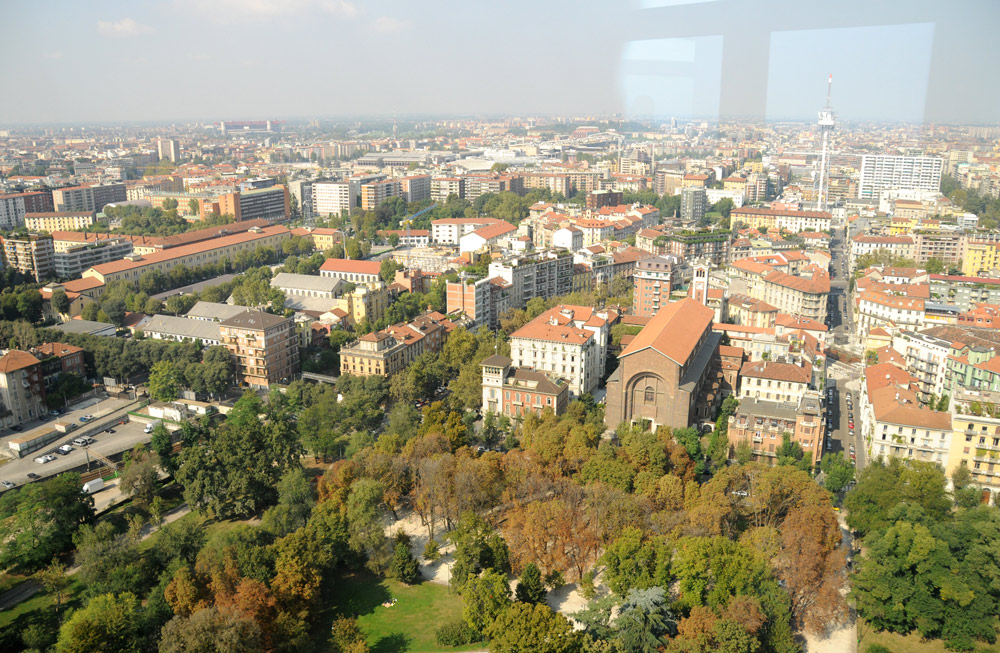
pixel 826 124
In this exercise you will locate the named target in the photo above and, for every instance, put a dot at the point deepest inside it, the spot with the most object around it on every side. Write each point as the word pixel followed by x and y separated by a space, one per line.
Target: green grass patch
pixel 911 643
pixel 39 609
pixel 409 625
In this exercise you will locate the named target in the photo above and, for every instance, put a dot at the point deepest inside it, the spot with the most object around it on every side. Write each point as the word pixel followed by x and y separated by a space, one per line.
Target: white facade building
pixel 881 172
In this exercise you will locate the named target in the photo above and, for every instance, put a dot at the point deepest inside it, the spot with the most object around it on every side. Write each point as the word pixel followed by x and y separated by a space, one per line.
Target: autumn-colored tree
pixel 558 534
pixel 185 593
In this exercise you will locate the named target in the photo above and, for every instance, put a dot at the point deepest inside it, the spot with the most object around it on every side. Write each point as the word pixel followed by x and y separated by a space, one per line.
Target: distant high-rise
pixel 168 148
pixel 880 173
pixel 694 203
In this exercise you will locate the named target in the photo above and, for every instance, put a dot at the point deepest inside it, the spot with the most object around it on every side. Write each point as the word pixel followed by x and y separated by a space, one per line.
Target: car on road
pixel 83 440
pixel 47 458
pixel 109 430
pixel 65 449
pixel 86 418
pixel 32 476
pixel 53 412
pixel 6 484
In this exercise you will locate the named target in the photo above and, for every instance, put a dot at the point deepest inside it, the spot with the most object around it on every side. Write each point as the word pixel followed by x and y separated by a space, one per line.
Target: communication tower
pixel 826 124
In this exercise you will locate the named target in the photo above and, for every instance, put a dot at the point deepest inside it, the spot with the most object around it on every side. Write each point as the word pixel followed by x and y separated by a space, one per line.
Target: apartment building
pixel 975 443
pixel 487 236
pixel 91 197
pixel 694 204
pixel 480 300
pixel 265 347
pixel 516 392
pixel 804 294
pixel 781 219
pixel 654 281
pixel 544 274
pixel 449 231
pixel 366 303
pixel 59 221
pixel 775 380
pixel 71 262
pixel 22 389
pixel 32 255
pixel 407 237
pixel 900 246
pixel 943 246
pixel 876 308
pixel 374 193
pixel 212 251
pixel 567 341
pixel 444 187
pixel 58 358
pixel 168 149
pixel 884 172
pixel 335 197
pixel 15 206
pixel 762 424
pixel 352 271
pixel 415 188
pixel 393 349
pixel 926 359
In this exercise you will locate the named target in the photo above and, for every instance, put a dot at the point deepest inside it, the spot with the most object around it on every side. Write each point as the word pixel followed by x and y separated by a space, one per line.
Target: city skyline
pixel 186 60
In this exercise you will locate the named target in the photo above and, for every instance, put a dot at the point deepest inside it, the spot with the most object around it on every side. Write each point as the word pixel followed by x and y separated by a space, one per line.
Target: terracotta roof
pixel 16 360
pixel 782 212
pixel 900 407
pixel 483 221
pixel 351 266
pixel 57 349
pixel 798 322
pixel 674 331
pixel 187 250
pixel 777 371
pixel 494 230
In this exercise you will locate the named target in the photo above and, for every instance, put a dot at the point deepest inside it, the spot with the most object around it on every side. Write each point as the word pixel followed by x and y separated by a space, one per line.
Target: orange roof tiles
pixel 674 331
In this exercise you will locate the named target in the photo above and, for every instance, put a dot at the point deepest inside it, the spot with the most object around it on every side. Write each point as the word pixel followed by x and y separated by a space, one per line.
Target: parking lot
pixel 125 437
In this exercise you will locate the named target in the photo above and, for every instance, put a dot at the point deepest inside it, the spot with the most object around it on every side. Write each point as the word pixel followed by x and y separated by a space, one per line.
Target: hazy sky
pixel 158 60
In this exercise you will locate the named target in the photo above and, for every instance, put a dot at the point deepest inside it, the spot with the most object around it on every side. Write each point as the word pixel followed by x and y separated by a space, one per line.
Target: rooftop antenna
pixel 826 124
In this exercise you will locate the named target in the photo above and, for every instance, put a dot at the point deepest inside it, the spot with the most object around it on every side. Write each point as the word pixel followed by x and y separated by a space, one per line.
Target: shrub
pixel 431 551
pixel 455 633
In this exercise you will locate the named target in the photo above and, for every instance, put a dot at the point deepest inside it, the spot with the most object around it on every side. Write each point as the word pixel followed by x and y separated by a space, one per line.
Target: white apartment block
pixel 449 231
pixel 926 360
pixel 546 274
pixel 902 246
pixel 568 341
pixel 881 172
pixel 877 309
pixel 12 212
pixel 334 197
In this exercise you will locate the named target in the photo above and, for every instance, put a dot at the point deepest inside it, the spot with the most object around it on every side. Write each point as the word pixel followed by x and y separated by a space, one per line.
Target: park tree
pixel 162 446
pixel 236 472
pixel 532 627
pixel 530 588
pixel 29 305
pixel 387 272
pixel 106 623
pixel 837 471
pixel 635 561
pixel 404 567
pixel 882 486
pixel 141 477
pixel 38 520
pixel 164 381
pixel 60 302
pixel 115 310
pixel 485 597
pixel 644 620
pixel 211 629
pixel 295 501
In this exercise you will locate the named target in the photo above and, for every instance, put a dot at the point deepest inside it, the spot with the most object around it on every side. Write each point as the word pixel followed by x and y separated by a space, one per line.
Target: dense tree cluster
pixel 930 560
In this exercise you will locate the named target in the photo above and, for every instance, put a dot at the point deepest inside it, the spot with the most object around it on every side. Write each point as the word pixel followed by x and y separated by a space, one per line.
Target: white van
pixel 95 485
pixel 152 425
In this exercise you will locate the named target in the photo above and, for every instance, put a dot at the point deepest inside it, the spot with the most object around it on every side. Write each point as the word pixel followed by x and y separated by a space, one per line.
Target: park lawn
pixel 911 643
pixel 407 626
pixel 41 603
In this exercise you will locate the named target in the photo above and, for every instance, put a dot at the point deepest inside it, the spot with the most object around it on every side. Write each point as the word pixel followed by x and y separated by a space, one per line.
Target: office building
pixel 882 172
pixel 168 149
pixel 265 347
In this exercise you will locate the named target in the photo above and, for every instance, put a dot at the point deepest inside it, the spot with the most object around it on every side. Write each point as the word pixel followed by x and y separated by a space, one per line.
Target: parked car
pixel 86 418
pixel 850 424
pixel 53 412
pixel 65 449
pixel 109 430
pixel 32 476
pixel 47 458
pixel 83 440
pixel 6 484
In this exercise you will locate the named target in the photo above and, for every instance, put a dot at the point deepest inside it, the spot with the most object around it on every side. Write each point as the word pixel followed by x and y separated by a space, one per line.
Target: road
pixel 125 437
pixel 842 378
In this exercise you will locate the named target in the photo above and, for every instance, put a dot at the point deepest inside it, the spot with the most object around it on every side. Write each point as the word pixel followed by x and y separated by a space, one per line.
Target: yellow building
pixel 902 226
pixel 323 237
pixel 975 441
pixel 59 221
pixel 980 258
pixel 364 303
